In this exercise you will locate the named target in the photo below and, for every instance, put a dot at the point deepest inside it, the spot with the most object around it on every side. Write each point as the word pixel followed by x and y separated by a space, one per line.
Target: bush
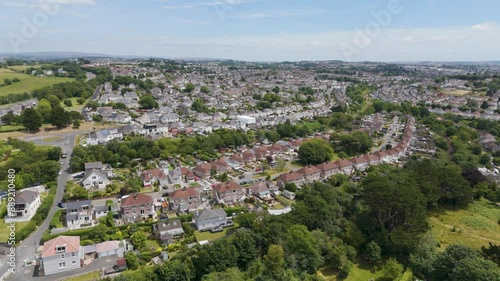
pixel 56 220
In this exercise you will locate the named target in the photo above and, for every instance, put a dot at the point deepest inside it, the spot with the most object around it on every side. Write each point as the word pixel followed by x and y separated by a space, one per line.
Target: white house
pixel 94 179
pixel 103 136
pixel 26 204
pixel 61 254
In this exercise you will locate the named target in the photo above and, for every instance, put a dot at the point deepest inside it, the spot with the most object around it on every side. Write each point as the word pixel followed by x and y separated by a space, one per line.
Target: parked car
pixel 243 182
pixel 61 205
pixel 241 177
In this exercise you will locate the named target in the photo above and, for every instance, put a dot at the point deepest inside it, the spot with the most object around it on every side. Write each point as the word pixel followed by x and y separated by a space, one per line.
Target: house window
pixel 87 218
pixel 62 265
pixel 73 254
pixel 73 262
pixel 62 256
pixel 94 177
pixel 142 212
pixel 85 207
pixel 61 249
pixel 73 211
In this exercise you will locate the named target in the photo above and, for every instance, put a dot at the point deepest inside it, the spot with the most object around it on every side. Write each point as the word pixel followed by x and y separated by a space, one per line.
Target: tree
pixel 302 246
pixel 352 144
pixel 280 164
pixel 8 118
pixel 391 270
pixel 492 253
pixel 138 239
pixel 148 102
pixel 274 262
pixel 173 270
pixel 276 89
pixel 189 88
pixel 475 268
pixel 484 105
pixel 315 151
pixel 81 100
pixel 59 117
pixel 132 260
pixel 54 153
pixel 45 109
pixel 446 261
pixel 76 124
pixel 68 103
pixel 422 259
pixel 31 119
pixel 373 252
pixel 204 89
pixel 199 106
pixel 7 81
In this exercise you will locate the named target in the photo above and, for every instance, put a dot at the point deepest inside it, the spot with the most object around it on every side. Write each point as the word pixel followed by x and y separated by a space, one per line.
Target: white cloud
pixel 485 26
pixel 215 3
pixel 280 14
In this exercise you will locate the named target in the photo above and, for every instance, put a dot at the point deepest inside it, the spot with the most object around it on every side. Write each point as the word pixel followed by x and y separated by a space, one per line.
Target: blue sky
pixel 263 30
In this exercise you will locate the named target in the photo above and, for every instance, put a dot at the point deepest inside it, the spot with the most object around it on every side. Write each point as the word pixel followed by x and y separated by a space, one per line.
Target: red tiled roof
pixel 309 170
pixel 137 199
pixel 72 244
pixel 184 193
pixel 290 176
pixel 154 173
pixel 227 186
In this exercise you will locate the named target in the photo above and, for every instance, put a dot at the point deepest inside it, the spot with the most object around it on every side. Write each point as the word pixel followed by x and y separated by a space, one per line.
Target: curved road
pixel 26 250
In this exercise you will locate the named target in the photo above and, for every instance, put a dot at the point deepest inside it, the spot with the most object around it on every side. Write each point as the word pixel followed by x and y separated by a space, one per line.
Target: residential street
pixel 26 249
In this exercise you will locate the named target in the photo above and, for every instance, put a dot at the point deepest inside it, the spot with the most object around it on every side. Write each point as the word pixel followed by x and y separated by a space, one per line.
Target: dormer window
pixel 61 249
pixel 85 207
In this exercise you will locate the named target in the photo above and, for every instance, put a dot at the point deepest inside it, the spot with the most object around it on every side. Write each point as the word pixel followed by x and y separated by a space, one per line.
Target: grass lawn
pixel 4 231
pixel 10 128
pixel 284 201
pixel 94 275
pixel 358 273
pixel 75 107
pixel 9 74
pixel 30 83
pixel 209 236
pixel 474 227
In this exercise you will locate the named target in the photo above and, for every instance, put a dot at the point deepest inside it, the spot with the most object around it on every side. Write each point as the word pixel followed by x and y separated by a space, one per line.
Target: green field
pixel 9 74
pixel 76 106
pixel 10 128
pixel 31 83
pixel 23 67
pixel 475 226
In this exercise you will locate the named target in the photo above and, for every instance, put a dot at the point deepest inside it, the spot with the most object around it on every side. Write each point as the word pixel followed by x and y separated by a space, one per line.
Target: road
pixel 26 250
pixel 388 138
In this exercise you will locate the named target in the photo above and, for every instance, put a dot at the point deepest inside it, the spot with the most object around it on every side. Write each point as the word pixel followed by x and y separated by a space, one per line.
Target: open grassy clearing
pixel 475 226
pixel 84 127
pixel 75 107
pixel 359 272
pixel 31 83
pixel 9 74
pixel 23 67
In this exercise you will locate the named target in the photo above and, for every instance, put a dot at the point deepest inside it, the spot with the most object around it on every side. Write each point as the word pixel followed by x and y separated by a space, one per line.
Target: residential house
pixel 27 202
pixel 229 192
pixel 103 136
pixel 236 161
pixel 310 173
pixel 79 214
pixel 101 211
pixel 248 156
pixel 290 177
pixel 150 177
pixel 94 179
pixel 220 166
pixel 261 189
pixel 203 170
pixel 136 207
pixel 61 254
pixel 187 174
pixel 169 118
pixel 328 169
pixel 168 231
pixel 185 199
pixel 210 218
